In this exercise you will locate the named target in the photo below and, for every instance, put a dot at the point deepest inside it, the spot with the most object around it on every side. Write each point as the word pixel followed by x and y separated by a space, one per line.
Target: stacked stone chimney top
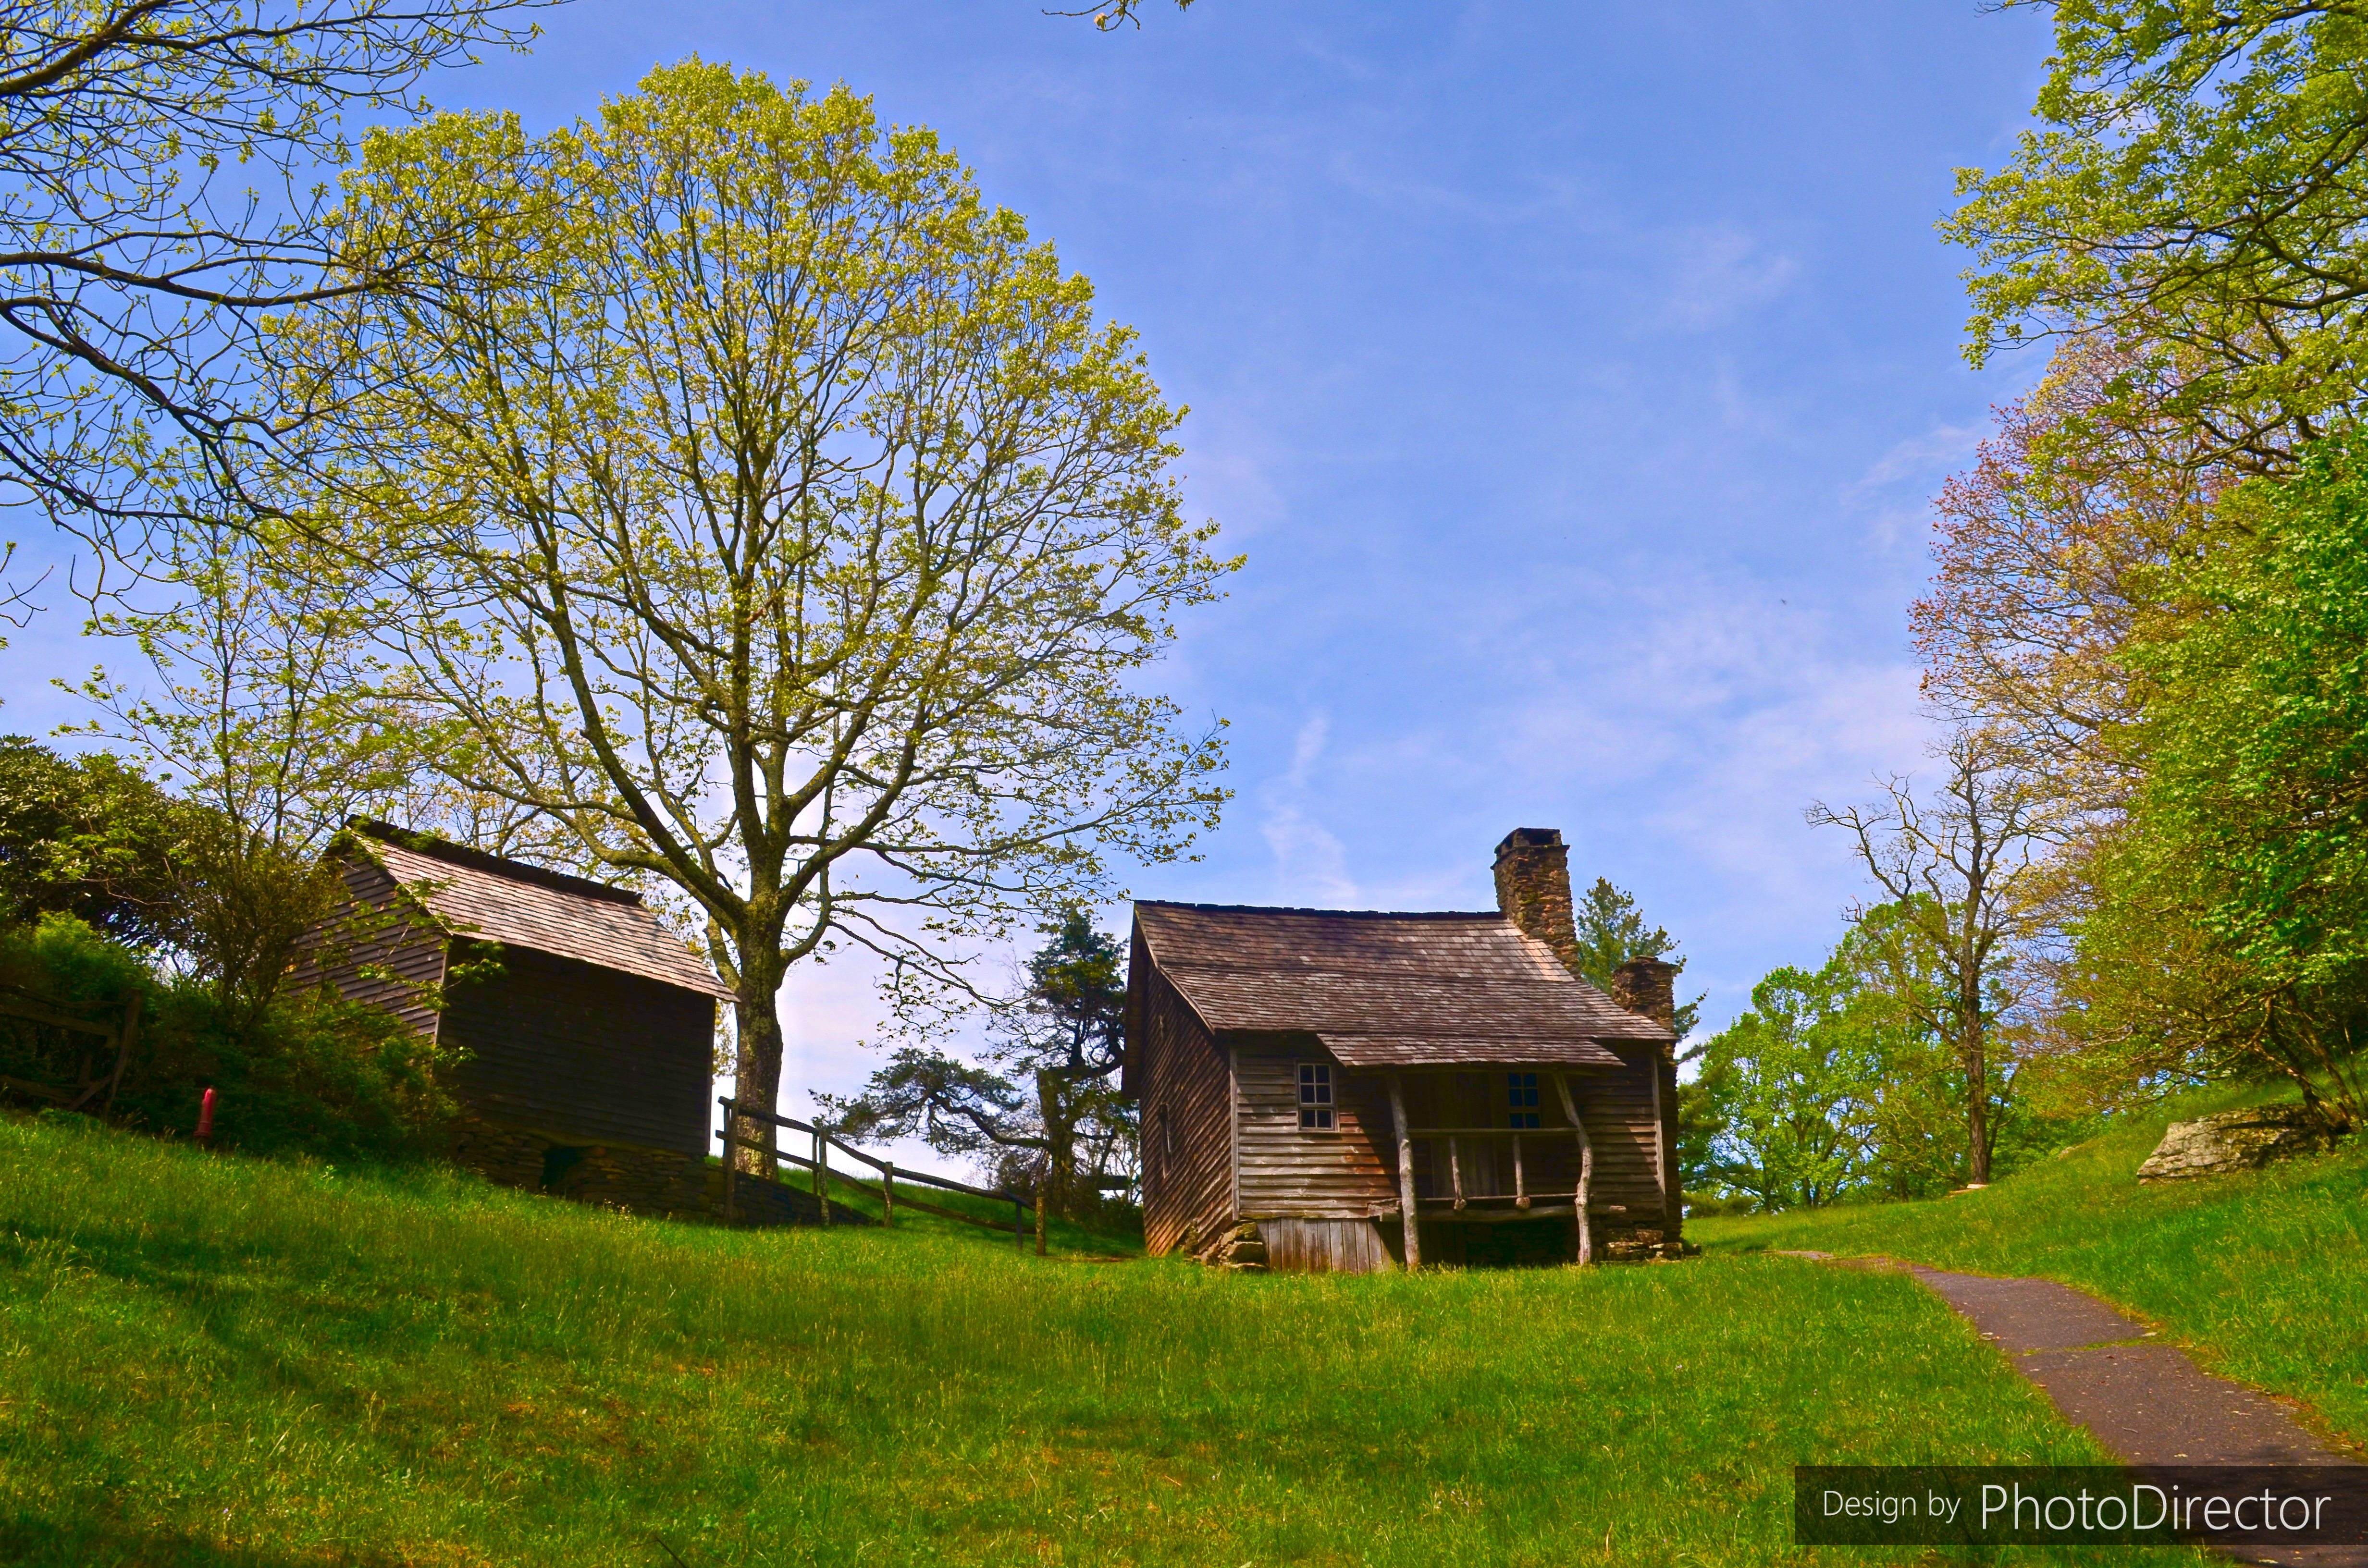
pixel 1534 892
pixel 1647 987
pixel 1534 888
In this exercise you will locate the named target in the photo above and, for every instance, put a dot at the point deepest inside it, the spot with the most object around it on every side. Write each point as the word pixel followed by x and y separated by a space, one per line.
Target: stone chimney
pixel 1534 888
pixel 1647 987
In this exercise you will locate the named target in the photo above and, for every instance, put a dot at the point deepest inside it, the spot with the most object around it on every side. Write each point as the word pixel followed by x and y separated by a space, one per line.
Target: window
pixel 1521 1096
pixel 1316 1096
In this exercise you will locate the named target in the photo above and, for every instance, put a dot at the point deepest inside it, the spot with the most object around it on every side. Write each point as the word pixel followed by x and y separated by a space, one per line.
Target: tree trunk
pixel 757 1063
pixel 1978 1099
pixel 1059 1180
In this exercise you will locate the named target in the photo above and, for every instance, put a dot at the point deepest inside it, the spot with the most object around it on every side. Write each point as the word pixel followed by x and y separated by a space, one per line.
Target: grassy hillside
pixel 2263 1274
pixel 220 1361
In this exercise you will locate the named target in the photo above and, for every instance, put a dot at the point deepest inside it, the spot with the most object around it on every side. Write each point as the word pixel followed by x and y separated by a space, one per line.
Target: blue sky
pixel 1572 376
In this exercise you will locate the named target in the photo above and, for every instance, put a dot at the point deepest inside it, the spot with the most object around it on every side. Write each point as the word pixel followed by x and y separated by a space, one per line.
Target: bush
pixel 309 1072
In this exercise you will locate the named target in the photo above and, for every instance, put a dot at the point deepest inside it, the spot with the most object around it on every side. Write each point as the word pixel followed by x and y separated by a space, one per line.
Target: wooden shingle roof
pixel 486 898
pixel 1387 990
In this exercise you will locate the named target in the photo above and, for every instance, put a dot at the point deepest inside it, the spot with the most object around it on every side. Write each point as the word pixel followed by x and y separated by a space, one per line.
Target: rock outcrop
pixel 2229 1140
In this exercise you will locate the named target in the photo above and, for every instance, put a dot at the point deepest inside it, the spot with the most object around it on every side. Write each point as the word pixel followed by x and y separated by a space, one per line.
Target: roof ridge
pixel 446 850
pixel 1327 914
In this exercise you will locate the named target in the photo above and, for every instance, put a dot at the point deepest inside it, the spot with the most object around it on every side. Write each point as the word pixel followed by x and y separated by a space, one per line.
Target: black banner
pixel 2069 1505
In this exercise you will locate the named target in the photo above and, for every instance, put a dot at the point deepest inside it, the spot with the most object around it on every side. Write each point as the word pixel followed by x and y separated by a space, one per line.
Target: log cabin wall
pixel 603 1056
pixel 1618 1110
pixel 1187 1132
pixel 375 928
pixel 1288 1170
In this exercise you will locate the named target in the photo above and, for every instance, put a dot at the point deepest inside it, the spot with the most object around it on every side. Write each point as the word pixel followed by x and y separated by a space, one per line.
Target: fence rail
pixel 819 1162
pixel 93 1075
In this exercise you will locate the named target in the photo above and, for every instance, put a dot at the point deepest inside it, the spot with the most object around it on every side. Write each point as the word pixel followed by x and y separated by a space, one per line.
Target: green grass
pixel 2263 1274
pixel 1059 1235
pixel 223 1361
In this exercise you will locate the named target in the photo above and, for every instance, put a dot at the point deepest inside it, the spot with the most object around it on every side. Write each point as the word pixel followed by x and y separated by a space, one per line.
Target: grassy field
pixel 211 1360
pixel 2264 1275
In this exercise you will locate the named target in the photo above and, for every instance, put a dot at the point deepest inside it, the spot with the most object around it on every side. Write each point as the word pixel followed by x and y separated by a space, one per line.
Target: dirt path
pixel 2144 1400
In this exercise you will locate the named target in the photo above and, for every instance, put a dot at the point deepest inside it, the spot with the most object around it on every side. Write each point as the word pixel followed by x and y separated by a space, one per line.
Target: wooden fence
pixel 819 1162
pixel 97 1070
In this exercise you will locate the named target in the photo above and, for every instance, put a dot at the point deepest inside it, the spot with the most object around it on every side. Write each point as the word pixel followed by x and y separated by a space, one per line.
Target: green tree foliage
pixel 768 519
pixel 1833 1086
pixel 1786 1079
pixel 2231 927
pixel 1040 1111
pixel 2192 196
pixel 90 837
pixel 261 700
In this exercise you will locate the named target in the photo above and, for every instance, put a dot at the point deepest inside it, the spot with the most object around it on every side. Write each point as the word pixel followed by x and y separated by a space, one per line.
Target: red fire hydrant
pixel 206 1117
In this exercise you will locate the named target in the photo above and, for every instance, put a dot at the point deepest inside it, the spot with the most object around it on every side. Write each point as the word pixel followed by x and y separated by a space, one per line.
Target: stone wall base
pixel 657 1182
pixel 1242 1247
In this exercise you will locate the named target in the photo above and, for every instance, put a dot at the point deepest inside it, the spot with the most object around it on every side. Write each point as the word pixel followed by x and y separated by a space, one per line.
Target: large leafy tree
pixel 2046 551
pixel 1957 867
pixel 768 518
pixel 2231 933
pixel 1833 1084
pixel 2193 198
pixel 161 168
pixel 1788 1079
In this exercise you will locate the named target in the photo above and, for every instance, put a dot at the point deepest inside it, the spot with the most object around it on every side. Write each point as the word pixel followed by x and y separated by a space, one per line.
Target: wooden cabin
pixel 1309 1078
pixel 590 1032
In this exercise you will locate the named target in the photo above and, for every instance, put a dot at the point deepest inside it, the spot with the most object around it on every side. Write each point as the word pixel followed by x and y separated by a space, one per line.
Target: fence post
pixel 888 1190
pixel 822 1183
pixel 730 1169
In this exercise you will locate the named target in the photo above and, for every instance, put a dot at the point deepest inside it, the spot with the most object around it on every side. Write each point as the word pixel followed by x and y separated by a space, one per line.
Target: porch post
pixel 1405 1177
pixel 1586 1166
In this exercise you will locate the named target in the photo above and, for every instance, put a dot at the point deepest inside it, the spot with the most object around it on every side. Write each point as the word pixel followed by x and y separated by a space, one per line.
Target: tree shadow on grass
pixel 29 1542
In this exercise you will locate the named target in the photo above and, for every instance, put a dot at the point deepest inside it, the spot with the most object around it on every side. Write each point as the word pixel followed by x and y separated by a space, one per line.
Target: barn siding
pixel 583 1051
pixel 1286 1170
pixel 374 926
pixel 1188 1145
pixel 1327 1246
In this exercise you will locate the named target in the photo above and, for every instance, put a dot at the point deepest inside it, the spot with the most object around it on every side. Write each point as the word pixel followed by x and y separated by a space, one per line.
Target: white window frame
pixel 1319 1096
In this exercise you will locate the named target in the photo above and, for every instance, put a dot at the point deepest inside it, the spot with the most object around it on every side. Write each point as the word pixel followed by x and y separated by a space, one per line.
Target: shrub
pixel 309 1072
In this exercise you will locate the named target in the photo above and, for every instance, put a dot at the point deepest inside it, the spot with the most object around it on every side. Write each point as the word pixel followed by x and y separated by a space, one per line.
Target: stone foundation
pixel 656 1182
pixel 1243 1248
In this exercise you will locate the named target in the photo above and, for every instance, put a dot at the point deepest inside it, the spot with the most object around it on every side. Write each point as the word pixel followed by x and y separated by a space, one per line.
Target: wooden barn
pixel 591 1030
pixel 1308 1078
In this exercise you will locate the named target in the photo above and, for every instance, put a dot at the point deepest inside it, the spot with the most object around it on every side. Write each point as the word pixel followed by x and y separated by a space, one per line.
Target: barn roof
pixel 487 898
pixel 1387 990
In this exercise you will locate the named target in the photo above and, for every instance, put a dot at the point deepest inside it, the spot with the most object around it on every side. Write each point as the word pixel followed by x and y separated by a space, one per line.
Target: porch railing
pixel 1525 1203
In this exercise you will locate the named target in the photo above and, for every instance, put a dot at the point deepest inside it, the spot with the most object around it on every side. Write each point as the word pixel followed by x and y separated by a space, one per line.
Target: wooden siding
pixel 375 928
pixel 1175 1066
pixel 1287 1170
pixel 1327 1246
pixel 585 1052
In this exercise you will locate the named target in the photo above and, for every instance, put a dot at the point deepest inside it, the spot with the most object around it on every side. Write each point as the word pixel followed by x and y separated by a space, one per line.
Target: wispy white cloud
pixel 1917 457
pixel 1720 273
pixel 1310 863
